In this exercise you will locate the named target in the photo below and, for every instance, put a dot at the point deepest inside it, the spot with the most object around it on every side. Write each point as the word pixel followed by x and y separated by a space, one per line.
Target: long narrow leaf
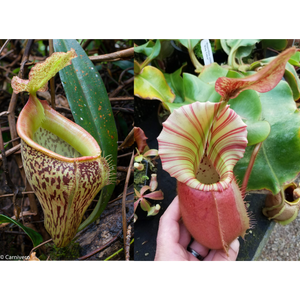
pixel 91 109
pixel 34 236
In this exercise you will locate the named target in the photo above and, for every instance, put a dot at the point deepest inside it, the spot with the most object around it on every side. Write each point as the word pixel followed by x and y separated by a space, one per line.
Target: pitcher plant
pixel 62 161
pixel 200 144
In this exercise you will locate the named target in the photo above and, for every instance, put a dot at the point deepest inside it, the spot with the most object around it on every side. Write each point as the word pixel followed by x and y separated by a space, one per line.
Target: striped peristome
pixel 199 130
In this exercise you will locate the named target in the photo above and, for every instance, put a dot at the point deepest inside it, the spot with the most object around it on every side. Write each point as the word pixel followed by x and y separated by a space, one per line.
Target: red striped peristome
pixel 199 145
pixel 66 181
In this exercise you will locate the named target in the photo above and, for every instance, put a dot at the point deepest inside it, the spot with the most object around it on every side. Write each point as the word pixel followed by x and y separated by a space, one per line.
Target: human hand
pixel 173 240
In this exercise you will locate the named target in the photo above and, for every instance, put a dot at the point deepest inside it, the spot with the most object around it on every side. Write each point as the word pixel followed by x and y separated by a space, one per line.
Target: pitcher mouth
pixel 209 178
pixel 31 126
pixel 197 140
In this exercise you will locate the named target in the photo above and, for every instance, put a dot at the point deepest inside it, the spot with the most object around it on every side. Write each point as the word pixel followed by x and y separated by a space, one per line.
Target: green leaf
pixel 257 132
pixel 145 49
pixel 145 205
pixel 224 45
pixel 190 44
pixel 275 44
pixel 245 48
pixel 151 52
pixel 238 49
pixel 277 162
pixel 150 83
pixel 175 82
pixel 35 237
pixel 212 72
pixel 137 67
pixel 248 106
pixel 124 64
pixel 292 78
pixel 91 109
pixel 197 90
pixel 294 60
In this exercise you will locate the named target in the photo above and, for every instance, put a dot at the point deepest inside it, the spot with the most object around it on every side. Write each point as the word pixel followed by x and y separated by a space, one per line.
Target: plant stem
pixel 231 57
pixel 52 85
pixel 117 252
pixel 195 61
pixel 124 198
pixel 6 42
pixel 46 242
pixel 249 168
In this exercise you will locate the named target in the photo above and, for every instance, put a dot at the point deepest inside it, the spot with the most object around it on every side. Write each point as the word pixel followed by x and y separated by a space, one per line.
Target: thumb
pixel 220 255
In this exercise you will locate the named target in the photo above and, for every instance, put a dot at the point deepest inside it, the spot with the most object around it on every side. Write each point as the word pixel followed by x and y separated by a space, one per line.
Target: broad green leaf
pixel 247 105
pixel 35 237
pixel 234 74
pixel 292 78
pixel 175 82
pixel 243 47
pixel 257 132
pixel 224 45
pixel 277 162
pixel 145 49
pixel 166 49
pixel 235 44
pixel 91 109
pixel 150 83
pixel 209 75
pixel 212 72
pixel 295 59
pixel 197 90
pixel 275 44
pixel 155 50
pixel 190 44
pixel 238 49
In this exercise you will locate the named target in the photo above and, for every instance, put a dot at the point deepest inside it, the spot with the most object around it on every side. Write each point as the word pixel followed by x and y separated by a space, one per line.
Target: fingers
pixel 168 230
pixel 220 255
pixel 172 234
pixel 168 236
pixel 185 236
pixel 202 250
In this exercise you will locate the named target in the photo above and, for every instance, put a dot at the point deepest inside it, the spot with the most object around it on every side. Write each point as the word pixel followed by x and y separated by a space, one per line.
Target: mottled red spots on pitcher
pixel 64 189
